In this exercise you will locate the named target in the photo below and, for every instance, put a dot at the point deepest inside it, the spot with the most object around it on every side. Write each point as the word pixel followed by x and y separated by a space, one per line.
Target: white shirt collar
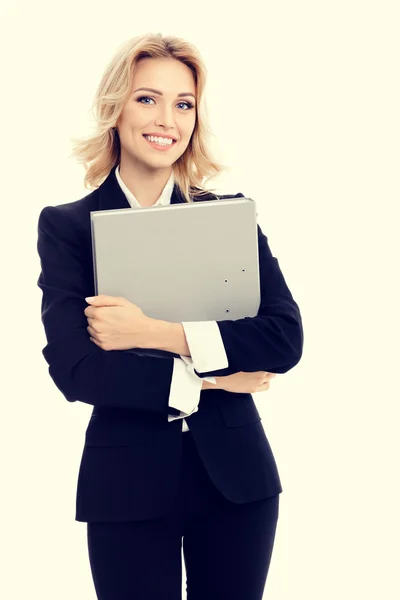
pixel 165 197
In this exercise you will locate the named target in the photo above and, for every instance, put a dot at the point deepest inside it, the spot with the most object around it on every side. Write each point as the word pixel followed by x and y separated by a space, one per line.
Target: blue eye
pixel 189 104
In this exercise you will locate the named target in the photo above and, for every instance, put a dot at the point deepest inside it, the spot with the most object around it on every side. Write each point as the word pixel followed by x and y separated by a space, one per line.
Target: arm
pixel 81 370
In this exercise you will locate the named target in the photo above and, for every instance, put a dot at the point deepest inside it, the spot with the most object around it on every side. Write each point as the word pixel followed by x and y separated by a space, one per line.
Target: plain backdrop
pixel 304 102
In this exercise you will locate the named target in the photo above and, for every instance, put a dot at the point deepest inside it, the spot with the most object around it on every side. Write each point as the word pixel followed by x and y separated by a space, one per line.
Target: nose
pixel 165 119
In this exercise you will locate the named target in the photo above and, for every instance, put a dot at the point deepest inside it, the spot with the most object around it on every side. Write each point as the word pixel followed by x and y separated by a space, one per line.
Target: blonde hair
pixel 101 152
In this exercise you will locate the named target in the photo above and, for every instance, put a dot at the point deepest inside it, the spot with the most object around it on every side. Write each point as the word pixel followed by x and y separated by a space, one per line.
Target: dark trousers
pixel 227 547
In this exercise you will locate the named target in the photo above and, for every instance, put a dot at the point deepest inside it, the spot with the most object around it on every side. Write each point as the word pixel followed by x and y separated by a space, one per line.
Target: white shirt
pixel 203 338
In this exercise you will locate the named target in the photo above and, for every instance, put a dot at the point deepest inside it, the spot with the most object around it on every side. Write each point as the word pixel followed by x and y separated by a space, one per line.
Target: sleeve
pixel 206 346
pixel 272 340
pixel 81 370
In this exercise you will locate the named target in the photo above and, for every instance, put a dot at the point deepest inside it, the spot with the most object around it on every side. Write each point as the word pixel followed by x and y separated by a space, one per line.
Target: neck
pixel 146 186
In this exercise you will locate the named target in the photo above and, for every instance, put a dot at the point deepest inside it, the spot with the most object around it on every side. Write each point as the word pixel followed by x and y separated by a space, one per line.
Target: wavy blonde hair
pixel 101 152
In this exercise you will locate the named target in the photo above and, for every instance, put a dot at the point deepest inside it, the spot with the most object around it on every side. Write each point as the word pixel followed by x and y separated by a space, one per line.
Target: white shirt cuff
pixel 184 391
pixel 190 367
pixel 207 350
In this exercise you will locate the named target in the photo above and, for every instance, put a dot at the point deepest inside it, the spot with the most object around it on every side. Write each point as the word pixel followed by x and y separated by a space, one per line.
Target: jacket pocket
pixel 238 409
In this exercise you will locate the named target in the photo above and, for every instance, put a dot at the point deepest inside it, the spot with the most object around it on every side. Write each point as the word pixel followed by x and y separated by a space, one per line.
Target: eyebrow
pixel 160 93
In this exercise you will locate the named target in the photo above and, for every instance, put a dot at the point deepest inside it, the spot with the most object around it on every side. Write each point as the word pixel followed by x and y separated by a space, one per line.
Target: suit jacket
pixel 131 459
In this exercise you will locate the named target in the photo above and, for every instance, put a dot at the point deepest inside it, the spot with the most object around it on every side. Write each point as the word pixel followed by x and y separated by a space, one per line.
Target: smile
pixel 164 145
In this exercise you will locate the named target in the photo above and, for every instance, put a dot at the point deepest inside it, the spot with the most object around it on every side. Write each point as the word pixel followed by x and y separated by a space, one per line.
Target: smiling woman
pixel 150 484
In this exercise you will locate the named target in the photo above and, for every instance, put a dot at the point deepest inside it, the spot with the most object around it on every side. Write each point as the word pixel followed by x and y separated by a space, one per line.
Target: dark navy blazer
pixel 131 458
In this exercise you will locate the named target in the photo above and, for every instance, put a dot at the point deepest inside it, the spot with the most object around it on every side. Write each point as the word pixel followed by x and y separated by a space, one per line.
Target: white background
pixel 304 104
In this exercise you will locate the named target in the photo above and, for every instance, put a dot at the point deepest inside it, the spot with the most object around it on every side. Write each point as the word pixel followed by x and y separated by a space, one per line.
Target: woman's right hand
pixel 243 382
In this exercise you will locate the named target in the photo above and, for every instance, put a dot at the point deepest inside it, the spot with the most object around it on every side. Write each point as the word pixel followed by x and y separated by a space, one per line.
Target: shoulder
pixel 60 217
pixel 84 204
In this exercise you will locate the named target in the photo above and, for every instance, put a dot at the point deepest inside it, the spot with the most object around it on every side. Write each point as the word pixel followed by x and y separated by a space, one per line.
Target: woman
pixel 175 453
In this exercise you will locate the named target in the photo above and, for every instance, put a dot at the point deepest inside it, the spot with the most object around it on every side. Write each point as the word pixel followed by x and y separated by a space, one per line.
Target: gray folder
pixel 180 262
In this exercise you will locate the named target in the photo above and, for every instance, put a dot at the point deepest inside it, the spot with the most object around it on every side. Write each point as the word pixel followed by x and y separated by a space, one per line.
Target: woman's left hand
pixel 115 323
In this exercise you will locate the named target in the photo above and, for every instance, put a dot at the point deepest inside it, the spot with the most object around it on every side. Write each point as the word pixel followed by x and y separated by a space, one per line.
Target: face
pixel 167 112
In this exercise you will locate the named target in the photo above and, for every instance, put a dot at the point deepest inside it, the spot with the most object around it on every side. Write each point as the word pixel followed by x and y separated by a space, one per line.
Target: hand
pixel 115 323
pixel 243 382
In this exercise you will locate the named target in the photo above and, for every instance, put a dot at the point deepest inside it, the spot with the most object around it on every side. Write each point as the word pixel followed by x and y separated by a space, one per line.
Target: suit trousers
pixel 227 547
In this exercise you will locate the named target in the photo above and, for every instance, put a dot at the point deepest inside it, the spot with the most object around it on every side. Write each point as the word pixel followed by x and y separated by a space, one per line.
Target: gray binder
pixel 180 262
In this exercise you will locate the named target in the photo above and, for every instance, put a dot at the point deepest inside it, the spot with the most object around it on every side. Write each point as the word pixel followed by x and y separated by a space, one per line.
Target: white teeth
pixel 159 140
